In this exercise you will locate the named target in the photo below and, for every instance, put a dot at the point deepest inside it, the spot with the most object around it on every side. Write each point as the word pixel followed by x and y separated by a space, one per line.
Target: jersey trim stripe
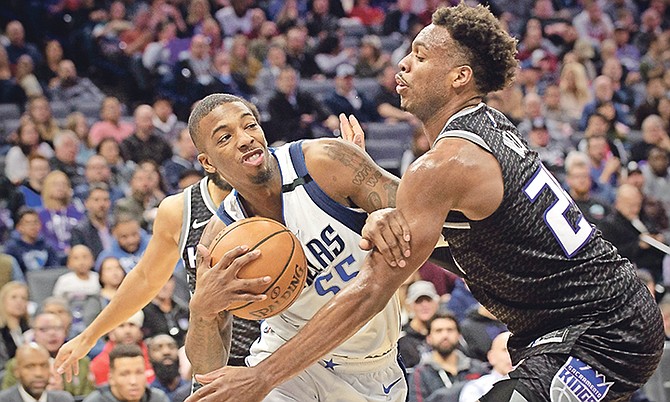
pixel 466 135
pixel 206 196
pixel 351 219
pixel 186 219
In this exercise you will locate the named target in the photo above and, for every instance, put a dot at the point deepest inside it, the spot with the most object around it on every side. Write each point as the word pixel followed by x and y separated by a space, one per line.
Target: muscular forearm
pixel 208 342
pixel 344 315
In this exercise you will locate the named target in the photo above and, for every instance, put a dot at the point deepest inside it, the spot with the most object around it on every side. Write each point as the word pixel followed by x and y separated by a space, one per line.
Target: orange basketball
pixel 282 259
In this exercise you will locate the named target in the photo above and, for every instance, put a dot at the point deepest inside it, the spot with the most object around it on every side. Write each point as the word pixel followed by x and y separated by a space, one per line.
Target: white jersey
pixel 330 234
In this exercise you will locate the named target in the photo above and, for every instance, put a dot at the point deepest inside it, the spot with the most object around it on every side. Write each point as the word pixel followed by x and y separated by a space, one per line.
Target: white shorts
pixel 334 379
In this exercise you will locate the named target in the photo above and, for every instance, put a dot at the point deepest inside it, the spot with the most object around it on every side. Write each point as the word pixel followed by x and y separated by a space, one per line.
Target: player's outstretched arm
pixel 209 332
pixel 139 287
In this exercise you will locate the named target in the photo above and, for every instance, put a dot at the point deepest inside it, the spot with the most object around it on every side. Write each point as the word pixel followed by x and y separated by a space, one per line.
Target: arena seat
pixel 386 153
pixel 658 386
pixel 317 88
pixel 399 132
pixel 368 86
pixel 41 283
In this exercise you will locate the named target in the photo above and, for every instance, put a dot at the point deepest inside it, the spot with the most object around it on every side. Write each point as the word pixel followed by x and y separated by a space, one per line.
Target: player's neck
pixel 436 123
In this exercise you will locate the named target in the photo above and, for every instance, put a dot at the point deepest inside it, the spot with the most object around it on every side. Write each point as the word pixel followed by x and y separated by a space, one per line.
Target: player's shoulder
pixel 328 148
pixel 170 212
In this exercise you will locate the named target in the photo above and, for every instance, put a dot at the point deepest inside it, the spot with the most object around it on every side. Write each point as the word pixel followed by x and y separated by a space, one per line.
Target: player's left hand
pixel 352 131
pixel 230 384
pixel 387 231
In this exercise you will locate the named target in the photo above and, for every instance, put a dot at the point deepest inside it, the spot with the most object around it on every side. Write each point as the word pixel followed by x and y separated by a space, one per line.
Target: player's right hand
pixel 219 286
pixel 387 231
pixel 67 359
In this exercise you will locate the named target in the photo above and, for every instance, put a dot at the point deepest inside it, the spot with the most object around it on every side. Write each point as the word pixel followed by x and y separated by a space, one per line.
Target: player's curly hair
pixel 209 103
pixel 488 49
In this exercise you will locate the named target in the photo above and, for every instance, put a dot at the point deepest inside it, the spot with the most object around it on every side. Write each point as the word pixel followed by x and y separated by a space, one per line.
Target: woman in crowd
pixel 575 92
pixel 77 123
pixel 28 144
pixel 39 111
pixel 111 276
pixel 13 319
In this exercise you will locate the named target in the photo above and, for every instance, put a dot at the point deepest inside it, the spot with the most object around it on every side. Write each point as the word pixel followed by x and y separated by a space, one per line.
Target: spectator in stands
pixel 664 110
pixel 479 328
pixel 652 209
pixel 443 372
pixel 552 153
pixel 604 93
pixel 294 113
pixel 165 121
pixel 319 21
pixel 166 314
pixel 13 319
pixel 592 24
pixel 275 62
pixel 164 357
pixel 157 185
pixel 160 56
pixel 579 185
pixel 60 307
pixel 297 54
pixel 187 178
pixel 18 46
pixel 191 73
pixel 80 283
pixel 121 171
pixel 654 91
pixel 330 54
pixel 77 123
pixel 654 63
pixel 624 92
pixel 66 148
pixel 371 60
pixel 422 303
pixel 368 15
pixel 10 90
pixel 49 332
pixel 653 134
pixel 626 52
pixel 97 171
pixel 25 77
pixel 31 188
pixel 129 242
pixel 127 378
pixel 605 167
pixel 10 270
pixel 32 372
pixel 501 364
pixel 346 99
pixel 39 111
pixel 128 333
pixel 28 247
pixel 267 36
pixel 657 176
pixel 185 158
pixel 111 276
pixel 388 100
pixel 235 18
pixel 418 147
pixel 145 143
pixel 575 92
pixel 624 226
pixel 242 62
pixel 400 18
pixel 110 124
pixel 73 90
pixel 198 11
pixel 28 144
pixel 287 14
pixel 48 69
pixel 94 230
pixel 225 80
pixel 140 199
pixel 61 213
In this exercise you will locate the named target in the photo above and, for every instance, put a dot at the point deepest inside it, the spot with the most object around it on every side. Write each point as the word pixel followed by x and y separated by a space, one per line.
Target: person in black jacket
pixel 94 231
pixel 295 114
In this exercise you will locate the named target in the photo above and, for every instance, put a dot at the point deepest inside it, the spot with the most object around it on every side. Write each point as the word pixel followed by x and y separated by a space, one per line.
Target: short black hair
pixel 97 186
pixel 23 211
pixel 488 49
pixel 121 350
pixel 209 103
pixel 446 315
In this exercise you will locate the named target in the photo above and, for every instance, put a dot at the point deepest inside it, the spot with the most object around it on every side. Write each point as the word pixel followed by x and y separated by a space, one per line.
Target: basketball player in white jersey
pixel 321 190
pixel 180 220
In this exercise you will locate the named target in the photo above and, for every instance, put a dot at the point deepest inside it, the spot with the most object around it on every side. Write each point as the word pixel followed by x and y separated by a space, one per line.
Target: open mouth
pixel 401 83
pixel 253 158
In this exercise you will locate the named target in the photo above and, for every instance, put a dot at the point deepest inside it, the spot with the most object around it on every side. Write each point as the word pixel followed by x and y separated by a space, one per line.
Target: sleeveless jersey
pixel 329 233
pixel 536 263
pixel 198 210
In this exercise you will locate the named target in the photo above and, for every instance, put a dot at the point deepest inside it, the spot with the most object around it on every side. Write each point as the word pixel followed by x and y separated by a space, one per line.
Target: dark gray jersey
pixel 198 210
pixel 535 263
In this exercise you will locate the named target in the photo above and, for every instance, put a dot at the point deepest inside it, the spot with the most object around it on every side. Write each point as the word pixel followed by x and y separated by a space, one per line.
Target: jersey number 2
pixel 570 238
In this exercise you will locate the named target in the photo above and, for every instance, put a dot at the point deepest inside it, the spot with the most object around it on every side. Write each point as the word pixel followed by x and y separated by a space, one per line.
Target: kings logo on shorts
pixel 577 381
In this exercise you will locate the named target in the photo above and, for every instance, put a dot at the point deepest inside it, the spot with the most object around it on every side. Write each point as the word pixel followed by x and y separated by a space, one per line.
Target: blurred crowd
pixel 94 99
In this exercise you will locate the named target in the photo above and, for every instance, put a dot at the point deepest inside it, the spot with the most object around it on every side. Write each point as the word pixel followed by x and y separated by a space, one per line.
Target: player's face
pixel 127 379
pixel 425 73
pixel 234 145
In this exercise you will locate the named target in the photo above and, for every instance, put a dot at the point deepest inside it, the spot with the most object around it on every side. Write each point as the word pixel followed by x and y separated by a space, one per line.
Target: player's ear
pixel 462 76
pixel 206 163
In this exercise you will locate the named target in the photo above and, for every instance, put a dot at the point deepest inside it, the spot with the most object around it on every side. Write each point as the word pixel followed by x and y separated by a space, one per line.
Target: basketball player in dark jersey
pixel 584 327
